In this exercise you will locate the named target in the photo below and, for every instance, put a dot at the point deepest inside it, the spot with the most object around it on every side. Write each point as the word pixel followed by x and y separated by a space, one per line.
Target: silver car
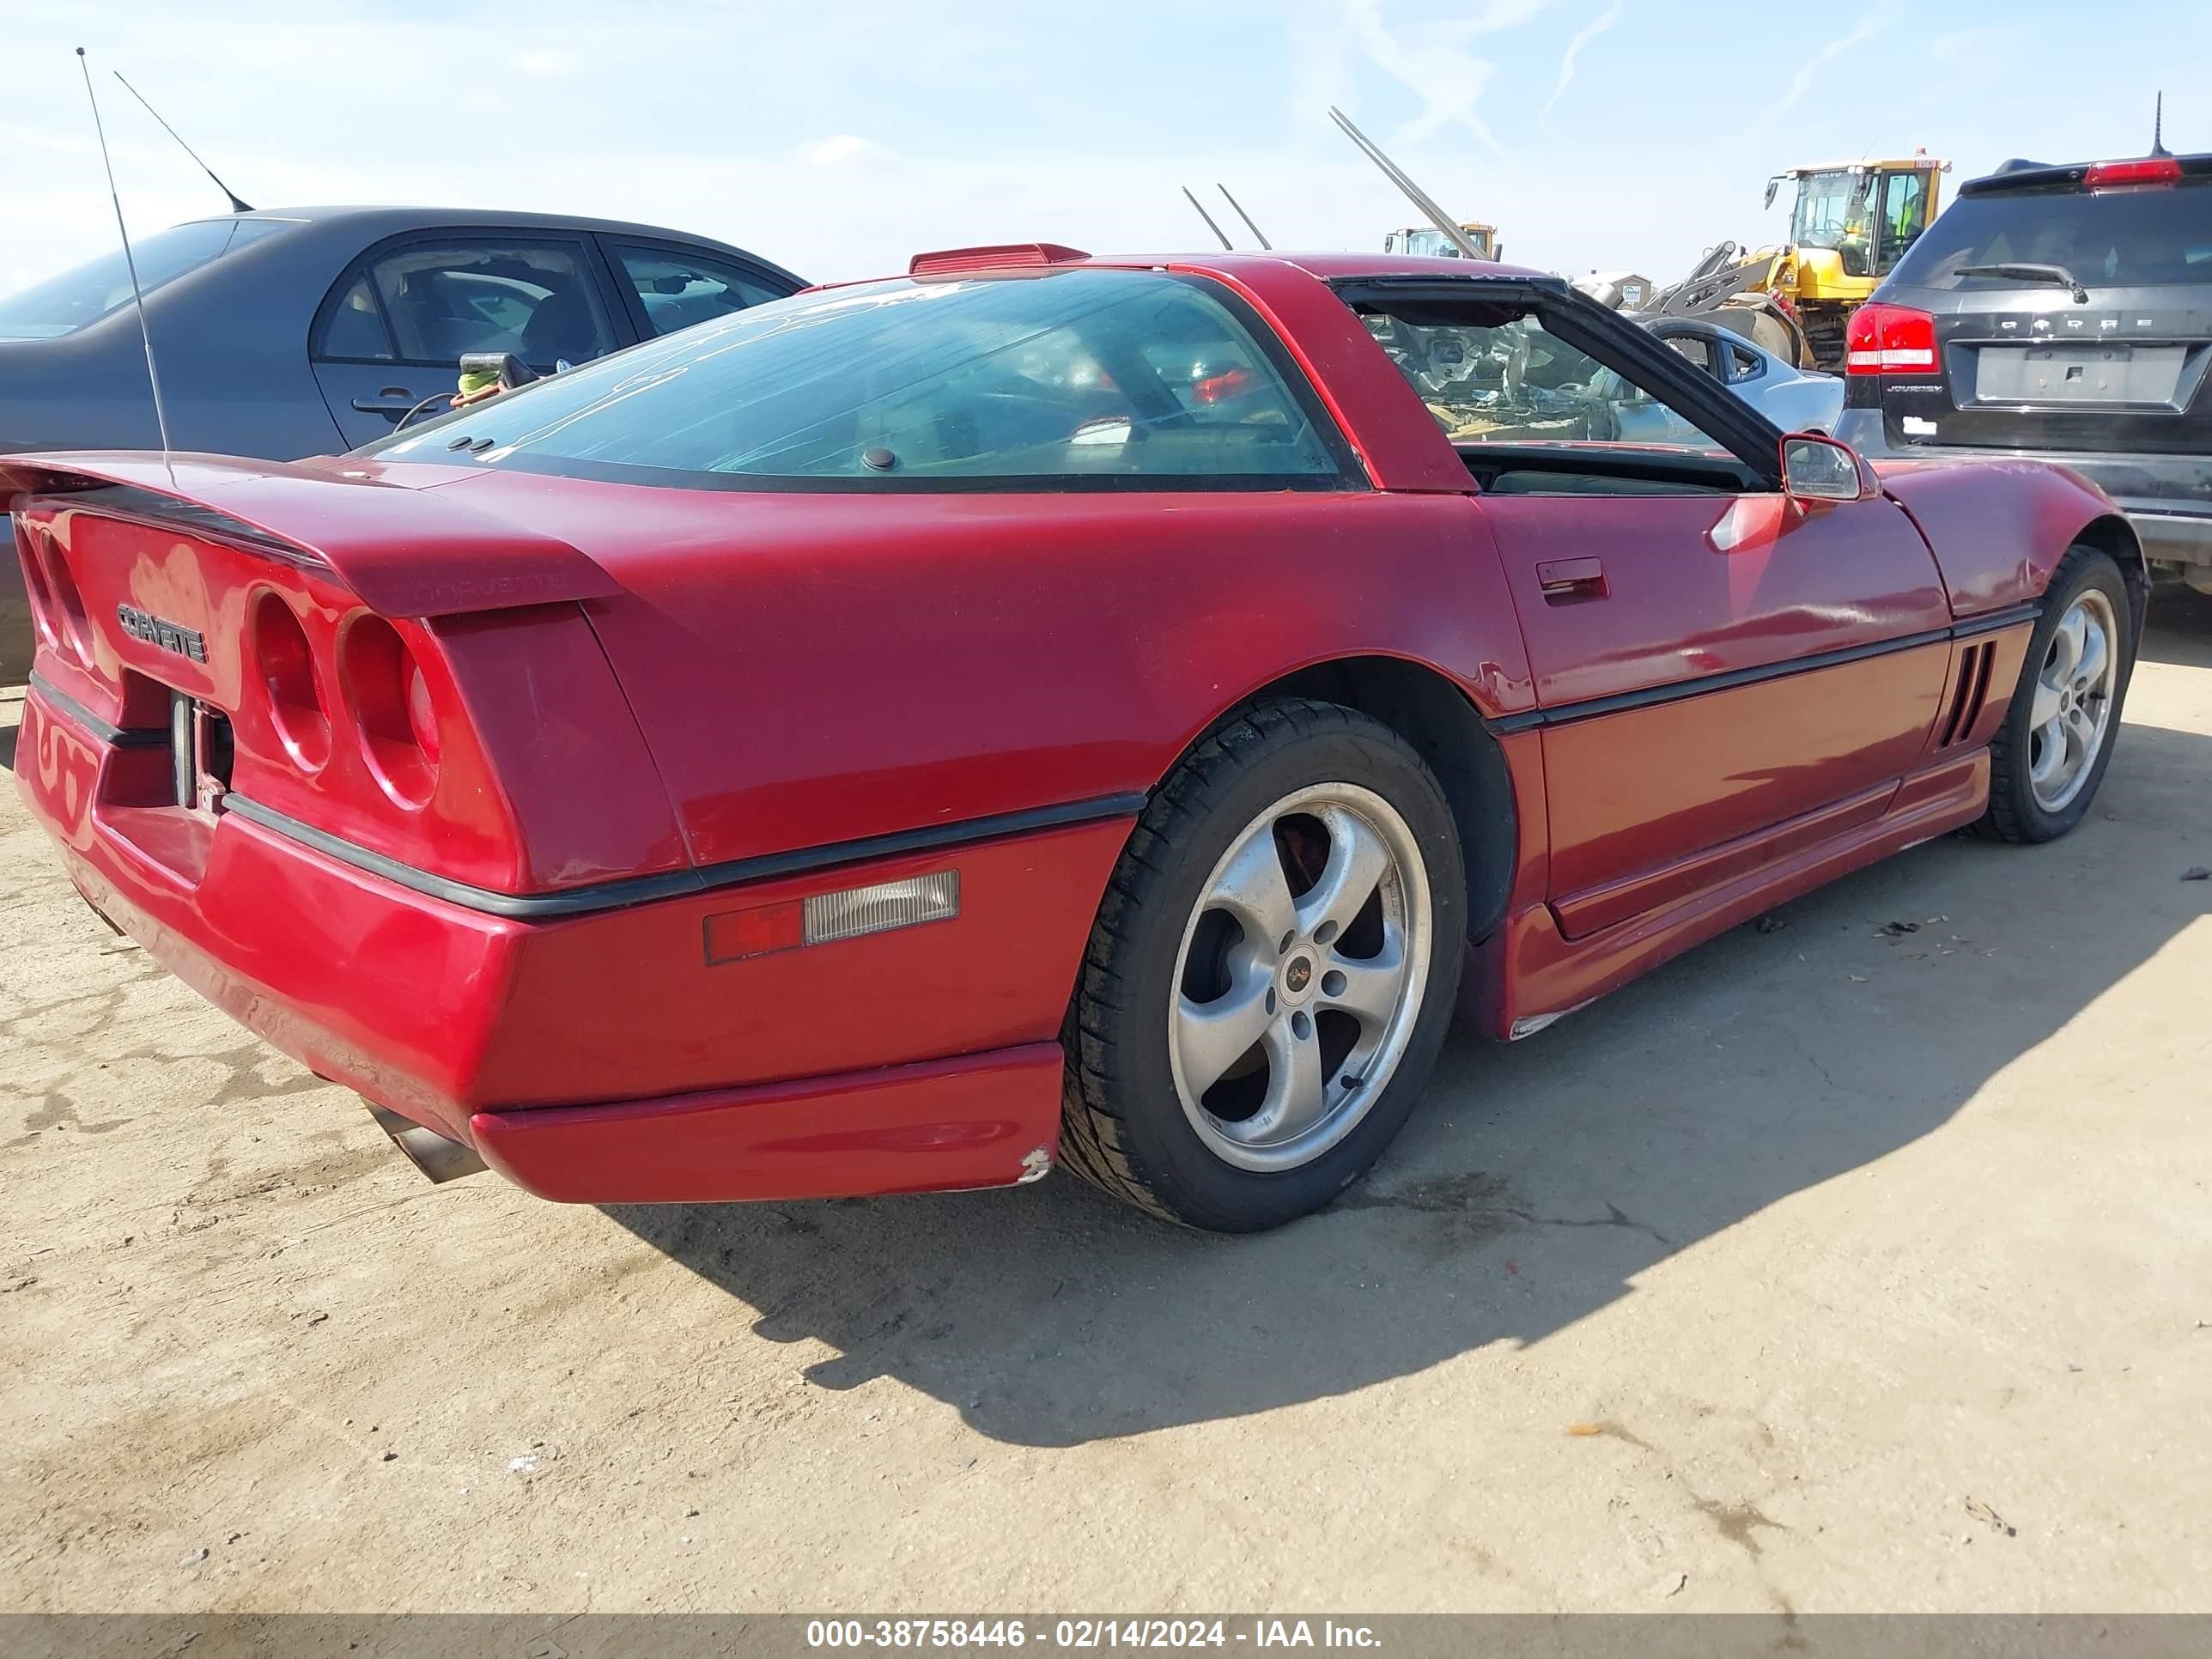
pixel 1795 400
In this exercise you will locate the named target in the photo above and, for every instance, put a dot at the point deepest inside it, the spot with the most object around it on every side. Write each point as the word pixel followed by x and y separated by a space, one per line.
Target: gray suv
pixel 2063 313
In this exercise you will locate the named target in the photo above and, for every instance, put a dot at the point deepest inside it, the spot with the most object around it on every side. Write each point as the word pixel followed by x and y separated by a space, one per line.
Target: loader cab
pixel 1427 241
pixel 1865 213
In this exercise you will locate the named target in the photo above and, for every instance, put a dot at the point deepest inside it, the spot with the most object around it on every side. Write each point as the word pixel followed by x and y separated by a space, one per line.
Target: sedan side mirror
pixel 1818 469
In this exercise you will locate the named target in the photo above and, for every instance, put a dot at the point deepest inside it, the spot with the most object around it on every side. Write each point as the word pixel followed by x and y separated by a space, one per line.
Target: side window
pixel 1745 364
pixel 1904 212
pixel 354 331
pixel 678 288
pixel 1500 377
pixel 1698 350
pixel 534 300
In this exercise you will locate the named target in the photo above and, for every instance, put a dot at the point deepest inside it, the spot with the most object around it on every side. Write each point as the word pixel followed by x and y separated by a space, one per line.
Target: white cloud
pixel 1432 61
pixel 1587 33
pixel 1802 83
pixel 839 147
pixel 547 65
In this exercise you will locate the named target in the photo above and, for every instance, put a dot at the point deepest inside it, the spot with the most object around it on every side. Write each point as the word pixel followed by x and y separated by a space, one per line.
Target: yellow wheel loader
pixel 1851 221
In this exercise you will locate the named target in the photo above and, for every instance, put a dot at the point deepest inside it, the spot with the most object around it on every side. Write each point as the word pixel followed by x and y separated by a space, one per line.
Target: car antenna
pixel 1246 217
pixel 2157 149
pixel 152 379
pixel 1415 193
pixel 1208 217
pixel 236 205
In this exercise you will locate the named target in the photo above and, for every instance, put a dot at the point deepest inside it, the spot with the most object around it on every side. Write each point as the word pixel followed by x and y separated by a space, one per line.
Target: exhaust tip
pixel 439 1156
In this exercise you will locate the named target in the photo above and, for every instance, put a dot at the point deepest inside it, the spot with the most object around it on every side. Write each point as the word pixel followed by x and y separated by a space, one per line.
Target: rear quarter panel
pixel 812 668
pixel 1998 528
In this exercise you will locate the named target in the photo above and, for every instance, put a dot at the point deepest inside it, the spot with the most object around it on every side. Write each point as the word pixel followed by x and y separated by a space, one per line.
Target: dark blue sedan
pixel 306 331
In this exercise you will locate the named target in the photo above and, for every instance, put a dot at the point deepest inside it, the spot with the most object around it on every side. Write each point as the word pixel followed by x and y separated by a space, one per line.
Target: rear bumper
pixel 597 1057
pixel 937 1126
pixel 2167 498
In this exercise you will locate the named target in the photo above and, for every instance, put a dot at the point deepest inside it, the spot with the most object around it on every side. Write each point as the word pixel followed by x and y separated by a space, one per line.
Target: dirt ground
pixel 1823 1270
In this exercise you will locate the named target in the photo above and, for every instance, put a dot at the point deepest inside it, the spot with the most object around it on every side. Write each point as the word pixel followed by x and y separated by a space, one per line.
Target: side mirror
pixel 1818 469
pixel 1772 184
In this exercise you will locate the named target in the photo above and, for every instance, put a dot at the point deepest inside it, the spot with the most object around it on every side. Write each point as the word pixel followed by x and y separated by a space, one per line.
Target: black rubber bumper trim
pixel 1996 621
pixel 1681 691
pixel 675 884
pixel 119 737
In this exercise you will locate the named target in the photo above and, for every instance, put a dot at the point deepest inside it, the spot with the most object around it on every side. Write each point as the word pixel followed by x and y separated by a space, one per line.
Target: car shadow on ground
pixel 1535 1182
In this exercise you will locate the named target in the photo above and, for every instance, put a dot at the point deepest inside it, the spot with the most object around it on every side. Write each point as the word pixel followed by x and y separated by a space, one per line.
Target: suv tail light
pixel 1887 339
pixel 2118 175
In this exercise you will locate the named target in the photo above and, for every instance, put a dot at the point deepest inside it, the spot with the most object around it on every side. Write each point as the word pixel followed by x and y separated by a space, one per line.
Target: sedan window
pixel 354 331
pixel 679 288
pixel 1695 348
pixel 1096 378
pixel 535 301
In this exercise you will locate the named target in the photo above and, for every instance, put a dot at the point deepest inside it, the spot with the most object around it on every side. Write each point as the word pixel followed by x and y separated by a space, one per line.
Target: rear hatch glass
pixel 2023 362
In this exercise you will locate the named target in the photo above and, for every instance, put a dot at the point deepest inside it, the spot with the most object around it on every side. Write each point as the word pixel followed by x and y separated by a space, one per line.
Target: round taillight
pixel 45 615
pixel 392 709
pixel 71 626
pixel 287 664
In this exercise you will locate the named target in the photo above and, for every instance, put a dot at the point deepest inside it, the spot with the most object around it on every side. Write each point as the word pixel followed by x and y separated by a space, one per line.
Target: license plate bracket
pixel 2086 374
pixel 200 753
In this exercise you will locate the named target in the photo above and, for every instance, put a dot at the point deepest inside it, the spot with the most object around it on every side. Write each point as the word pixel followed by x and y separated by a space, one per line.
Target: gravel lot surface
pixel 1828 1268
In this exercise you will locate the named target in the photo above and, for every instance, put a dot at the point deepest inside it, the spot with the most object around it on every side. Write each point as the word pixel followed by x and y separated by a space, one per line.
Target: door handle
pixel 390 404
pixel 1564 580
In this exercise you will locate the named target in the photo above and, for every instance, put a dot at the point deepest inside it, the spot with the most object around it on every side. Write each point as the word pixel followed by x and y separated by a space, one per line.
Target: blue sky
pixel 838 140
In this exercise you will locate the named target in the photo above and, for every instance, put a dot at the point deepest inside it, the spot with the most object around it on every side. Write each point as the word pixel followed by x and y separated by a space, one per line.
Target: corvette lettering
pixel 164 636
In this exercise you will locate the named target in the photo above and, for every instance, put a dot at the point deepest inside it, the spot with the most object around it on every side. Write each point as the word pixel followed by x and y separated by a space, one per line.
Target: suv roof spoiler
pixel 2018 175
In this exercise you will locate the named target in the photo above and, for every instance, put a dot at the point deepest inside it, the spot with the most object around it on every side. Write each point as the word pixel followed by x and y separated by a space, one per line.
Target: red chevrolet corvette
pixel 1038 708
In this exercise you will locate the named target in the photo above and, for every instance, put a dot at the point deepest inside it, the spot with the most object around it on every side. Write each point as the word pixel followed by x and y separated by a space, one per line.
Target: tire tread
pixel 2006 818
pixel 1092 1145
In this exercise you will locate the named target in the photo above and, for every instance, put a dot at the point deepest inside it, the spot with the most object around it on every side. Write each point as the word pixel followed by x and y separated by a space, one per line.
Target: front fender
pixel 1998 528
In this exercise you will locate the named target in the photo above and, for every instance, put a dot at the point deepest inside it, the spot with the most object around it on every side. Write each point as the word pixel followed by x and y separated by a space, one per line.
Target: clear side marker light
pixel 888 904
pixel 826 918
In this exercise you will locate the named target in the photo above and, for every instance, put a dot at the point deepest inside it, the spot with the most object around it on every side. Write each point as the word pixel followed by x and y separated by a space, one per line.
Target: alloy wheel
pixel 2072 711
pixel 1300 977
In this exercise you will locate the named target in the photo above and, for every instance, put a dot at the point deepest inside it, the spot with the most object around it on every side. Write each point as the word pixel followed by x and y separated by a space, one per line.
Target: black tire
pixel 2015 814
pixel 1124 1128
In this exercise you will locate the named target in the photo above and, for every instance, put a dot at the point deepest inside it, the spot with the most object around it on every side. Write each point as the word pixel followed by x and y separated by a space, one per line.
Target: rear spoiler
pixel 403 552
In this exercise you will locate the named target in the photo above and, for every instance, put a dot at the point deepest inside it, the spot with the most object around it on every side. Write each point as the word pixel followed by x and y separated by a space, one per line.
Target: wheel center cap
pixel 1298 975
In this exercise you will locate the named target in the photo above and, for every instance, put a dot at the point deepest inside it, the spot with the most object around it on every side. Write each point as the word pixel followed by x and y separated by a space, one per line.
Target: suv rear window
pixel 75 298
pixel 2112 238
pixel 1094 378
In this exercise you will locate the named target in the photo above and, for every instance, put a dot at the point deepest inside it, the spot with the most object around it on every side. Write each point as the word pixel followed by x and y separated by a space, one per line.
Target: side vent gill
pixel 1972 692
